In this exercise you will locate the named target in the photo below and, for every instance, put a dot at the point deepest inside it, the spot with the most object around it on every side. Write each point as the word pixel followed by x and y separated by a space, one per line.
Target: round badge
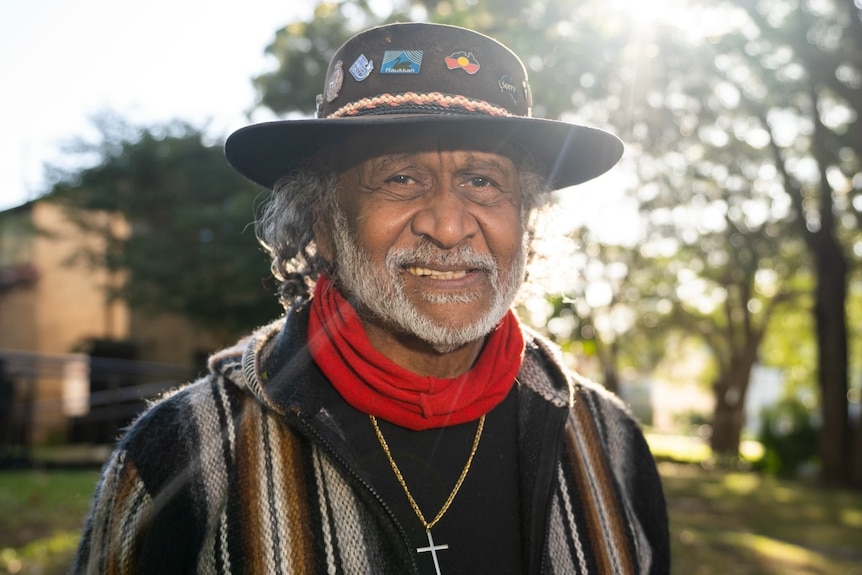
pixel 333 84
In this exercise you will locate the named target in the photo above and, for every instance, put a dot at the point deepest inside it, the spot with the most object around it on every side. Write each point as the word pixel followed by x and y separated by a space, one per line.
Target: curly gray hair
pixel 285 227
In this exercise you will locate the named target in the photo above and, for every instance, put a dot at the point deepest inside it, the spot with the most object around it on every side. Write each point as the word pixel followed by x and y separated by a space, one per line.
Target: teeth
pixel 435 274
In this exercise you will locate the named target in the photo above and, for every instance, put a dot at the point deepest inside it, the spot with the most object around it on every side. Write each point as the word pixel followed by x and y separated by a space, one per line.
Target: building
pixel 66 346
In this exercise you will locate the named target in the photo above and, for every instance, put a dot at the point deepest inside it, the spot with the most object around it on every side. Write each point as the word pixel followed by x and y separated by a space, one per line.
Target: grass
pixel 745 523
pixel 41 517
pixel 721 522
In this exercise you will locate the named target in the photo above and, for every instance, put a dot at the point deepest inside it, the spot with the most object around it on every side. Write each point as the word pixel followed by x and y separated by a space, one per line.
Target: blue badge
pixel 361 68
pixel 401 62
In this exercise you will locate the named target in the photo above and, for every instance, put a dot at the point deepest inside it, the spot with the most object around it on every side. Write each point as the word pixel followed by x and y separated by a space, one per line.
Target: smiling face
pixel 429 241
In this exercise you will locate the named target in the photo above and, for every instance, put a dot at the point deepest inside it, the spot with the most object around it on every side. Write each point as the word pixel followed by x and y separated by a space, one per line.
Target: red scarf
pixel 374 384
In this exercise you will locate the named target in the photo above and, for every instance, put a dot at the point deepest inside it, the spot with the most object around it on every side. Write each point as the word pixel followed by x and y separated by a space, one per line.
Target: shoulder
pixel 161 442
pixel 545 373
pixel 543 361
pixel 173 427
pixel 592 408
pixel 229 362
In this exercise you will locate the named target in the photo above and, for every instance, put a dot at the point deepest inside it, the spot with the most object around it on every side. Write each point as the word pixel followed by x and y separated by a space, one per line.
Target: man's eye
pixel 400 179
pixel 480 182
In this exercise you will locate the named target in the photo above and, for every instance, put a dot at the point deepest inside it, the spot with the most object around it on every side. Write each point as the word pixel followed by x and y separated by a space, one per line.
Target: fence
pixel 74 398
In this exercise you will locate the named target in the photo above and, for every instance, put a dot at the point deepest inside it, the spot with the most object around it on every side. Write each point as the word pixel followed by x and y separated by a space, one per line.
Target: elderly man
pixel 399 419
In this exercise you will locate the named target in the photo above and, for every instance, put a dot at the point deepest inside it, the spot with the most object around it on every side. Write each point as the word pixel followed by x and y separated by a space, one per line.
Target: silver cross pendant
pixel 433 549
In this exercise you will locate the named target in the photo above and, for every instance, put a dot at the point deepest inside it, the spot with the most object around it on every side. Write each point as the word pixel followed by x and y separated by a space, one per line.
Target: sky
pixel 64 61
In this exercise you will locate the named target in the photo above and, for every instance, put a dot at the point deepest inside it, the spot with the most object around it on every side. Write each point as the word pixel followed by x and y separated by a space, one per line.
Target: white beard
pixel 381 295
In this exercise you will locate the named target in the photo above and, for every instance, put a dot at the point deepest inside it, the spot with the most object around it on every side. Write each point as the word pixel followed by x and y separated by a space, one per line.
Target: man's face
pixel 430 239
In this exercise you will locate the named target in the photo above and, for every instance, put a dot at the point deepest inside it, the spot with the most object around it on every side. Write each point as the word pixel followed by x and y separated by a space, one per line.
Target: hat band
pixel 412 102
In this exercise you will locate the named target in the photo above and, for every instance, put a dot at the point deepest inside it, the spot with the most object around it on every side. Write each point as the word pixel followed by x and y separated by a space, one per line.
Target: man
pixel 399 419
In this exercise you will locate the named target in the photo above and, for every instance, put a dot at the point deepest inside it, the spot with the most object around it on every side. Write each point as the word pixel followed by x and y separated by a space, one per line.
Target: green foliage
pixel 617 327
pixel 789 438
pixel 180 238
pixel 303 50
pixel 854 316
pixel 790 343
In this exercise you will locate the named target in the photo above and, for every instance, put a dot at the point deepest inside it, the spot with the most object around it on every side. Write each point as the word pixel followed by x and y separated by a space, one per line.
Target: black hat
pixel 416 76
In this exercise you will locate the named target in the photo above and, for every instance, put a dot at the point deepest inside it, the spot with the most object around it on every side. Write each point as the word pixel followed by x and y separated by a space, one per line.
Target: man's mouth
pixel 436 274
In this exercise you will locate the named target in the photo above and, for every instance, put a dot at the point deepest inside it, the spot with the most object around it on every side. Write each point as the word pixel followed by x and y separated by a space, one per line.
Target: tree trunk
pixel 726 424
pixel 730 391
pixel 856 464
pixel 728 417
pixel 612 380
pixel 830 303
pixel 607 354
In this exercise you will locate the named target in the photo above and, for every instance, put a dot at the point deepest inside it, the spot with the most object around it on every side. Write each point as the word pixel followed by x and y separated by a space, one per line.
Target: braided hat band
pixel 412 103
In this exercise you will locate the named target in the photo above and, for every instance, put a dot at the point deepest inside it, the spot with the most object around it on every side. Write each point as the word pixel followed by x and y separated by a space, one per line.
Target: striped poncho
pixel 243 472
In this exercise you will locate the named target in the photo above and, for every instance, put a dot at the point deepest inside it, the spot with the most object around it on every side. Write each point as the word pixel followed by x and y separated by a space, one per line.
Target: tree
pixel 799 71
pixel 730 306
pixel 608 309
pixel 187 246
pixel 303 50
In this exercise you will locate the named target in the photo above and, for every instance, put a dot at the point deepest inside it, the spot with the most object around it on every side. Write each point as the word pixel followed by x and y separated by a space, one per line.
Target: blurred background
pixel 711 279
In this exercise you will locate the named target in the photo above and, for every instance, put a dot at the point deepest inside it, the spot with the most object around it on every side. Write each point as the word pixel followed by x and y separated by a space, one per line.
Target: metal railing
pixel 75 398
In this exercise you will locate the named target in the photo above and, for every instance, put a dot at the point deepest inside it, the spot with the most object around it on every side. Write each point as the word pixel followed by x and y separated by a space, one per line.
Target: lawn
pixel 744 523
pixel 41 516
pixel 721 522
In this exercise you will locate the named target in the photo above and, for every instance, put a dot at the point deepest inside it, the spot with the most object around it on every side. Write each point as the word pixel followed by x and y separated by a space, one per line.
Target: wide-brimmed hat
pixel 416 76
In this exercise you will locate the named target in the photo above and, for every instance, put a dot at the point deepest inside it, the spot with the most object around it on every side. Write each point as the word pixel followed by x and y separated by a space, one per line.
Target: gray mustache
pixel 427 254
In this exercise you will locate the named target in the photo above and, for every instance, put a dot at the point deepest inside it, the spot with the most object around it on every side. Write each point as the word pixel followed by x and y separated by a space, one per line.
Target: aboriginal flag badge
pixel 464 60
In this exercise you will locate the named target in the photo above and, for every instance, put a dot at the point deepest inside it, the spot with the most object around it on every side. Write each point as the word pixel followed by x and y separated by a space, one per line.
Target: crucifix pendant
pixel 433 549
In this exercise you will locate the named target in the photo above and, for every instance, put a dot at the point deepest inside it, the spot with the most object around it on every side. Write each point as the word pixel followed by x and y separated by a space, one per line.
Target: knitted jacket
pixel 242 471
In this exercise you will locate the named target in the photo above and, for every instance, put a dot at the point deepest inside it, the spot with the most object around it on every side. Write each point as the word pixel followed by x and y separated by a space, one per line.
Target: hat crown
pixel 415 76
pixel 421 68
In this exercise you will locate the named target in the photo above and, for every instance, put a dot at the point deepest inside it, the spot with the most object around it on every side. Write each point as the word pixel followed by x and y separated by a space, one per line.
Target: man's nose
pixel 445 219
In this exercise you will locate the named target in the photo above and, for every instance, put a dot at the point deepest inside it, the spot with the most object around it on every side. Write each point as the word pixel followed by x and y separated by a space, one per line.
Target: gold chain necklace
pixel 429 524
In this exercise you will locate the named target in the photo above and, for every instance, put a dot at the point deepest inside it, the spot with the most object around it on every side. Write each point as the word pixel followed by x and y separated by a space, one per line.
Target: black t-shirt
pixel 482 527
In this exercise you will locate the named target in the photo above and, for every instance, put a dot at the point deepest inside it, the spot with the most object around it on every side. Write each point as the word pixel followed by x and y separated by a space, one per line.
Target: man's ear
pixel 323 236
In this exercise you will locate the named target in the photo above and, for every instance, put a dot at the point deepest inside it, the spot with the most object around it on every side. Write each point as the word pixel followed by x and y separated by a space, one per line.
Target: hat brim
pixel 570 154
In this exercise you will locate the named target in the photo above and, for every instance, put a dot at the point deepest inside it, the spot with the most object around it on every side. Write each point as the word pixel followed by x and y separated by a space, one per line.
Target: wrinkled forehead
pixel 392 140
